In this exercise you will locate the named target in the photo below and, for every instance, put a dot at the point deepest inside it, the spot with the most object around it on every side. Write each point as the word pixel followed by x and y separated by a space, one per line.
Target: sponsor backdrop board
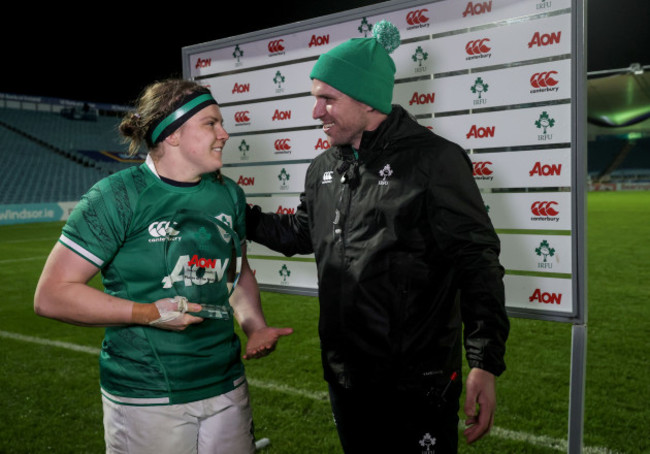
pixel 502 78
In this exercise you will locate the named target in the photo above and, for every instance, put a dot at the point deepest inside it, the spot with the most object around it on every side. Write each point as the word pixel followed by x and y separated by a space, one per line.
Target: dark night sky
pixel 105 56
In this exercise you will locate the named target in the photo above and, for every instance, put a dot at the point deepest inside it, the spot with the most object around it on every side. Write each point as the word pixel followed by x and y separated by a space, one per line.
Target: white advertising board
pixel 282 273
pixel 269 115
pixel 523 169
pixel 269 179
pixel 534 126
pixel 537 254
pixel 302 145
pixel 498 77
pixel 540 295
pixel 529 210
pixel 479 90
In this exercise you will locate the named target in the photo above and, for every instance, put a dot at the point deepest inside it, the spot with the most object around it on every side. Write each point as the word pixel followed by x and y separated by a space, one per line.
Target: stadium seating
pixel 617 160
pixel 32 173
pixel 45 155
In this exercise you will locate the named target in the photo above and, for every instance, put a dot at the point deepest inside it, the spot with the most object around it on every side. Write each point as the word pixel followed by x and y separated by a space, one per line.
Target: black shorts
pixel 397 421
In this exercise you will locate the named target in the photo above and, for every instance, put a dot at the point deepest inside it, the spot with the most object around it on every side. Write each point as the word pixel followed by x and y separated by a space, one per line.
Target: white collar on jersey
pixel 151 165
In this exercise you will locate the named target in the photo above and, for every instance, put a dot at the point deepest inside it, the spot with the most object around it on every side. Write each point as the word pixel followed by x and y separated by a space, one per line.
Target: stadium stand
pixel 33 173
pixel 619 160
pixel 56 156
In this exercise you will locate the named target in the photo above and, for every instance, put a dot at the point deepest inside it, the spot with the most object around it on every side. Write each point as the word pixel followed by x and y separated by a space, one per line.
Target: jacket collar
pixel 380 137
pixel 390 130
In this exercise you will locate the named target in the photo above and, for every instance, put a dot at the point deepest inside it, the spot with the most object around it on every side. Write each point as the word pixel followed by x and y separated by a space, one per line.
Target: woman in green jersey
pixel 165 236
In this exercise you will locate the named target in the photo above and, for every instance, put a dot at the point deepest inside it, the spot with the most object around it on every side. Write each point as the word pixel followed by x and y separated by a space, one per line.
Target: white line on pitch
pixel 545 441
pixel 28 240
pixel 50 343
pixel 537 440
pixel 23 259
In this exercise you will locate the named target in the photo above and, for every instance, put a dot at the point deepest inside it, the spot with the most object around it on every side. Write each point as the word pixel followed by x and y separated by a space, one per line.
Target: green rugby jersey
pixel 128 225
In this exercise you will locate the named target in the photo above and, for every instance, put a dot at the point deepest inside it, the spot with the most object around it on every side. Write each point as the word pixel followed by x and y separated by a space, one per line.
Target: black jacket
pixel 405 251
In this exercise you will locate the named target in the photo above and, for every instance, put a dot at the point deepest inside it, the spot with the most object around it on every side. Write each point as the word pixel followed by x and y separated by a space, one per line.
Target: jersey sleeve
pixel 239 200
pixel 96 227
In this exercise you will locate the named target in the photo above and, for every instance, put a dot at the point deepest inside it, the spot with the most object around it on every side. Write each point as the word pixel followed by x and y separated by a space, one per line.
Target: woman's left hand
pixel 263 341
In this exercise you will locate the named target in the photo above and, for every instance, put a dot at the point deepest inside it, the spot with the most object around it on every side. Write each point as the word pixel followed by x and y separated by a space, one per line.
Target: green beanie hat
pixel 362 67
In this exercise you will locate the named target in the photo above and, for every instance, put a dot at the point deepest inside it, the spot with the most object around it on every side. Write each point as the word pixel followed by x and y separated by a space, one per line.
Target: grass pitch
pixel 49 379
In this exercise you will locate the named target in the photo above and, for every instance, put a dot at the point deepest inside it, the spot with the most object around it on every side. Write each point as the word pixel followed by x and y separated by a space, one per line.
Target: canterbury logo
pixel 477 47
pixel 417 17
pixel 283 145
pixel 544 208
pixel 481 169
pixel 544 79
pixel 327 177
pixel 162 229
pixel 242 117
pixel 276 46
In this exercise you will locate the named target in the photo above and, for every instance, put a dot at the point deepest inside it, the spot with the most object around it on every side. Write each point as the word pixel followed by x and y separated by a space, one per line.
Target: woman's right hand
pixel 168 313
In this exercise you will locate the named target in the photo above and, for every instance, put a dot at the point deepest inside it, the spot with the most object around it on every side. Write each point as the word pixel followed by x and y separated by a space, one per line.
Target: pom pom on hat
pixel 387 35
pixel 362 67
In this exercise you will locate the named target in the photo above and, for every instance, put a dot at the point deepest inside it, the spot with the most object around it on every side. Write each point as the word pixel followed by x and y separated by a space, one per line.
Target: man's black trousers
pixel 396 420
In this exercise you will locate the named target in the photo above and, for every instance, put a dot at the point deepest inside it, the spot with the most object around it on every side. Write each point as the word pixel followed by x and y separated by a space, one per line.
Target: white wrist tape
pixel 181 303
pixel 170 310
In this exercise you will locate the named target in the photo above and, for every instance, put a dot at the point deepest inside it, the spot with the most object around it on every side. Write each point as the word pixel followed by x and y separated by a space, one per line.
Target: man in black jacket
pixel 406 255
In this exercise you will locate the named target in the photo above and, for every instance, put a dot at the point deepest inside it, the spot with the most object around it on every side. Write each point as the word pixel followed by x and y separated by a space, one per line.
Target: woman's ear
pixel 173 139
